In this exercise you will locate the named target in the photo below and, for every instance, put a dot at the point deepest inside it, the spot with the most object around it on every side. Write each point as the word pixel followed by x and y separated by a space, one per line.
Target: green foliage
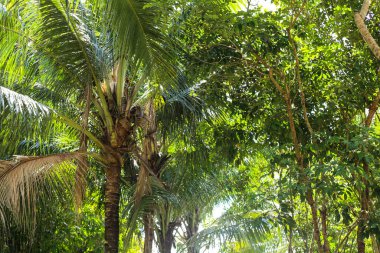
pixel 265 109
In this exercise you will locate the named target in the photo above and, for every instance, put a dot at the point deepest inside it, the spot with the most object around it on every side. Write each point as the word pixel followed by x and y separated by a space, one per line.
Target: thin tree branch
pixel 372 110
pixel 299 81
pixel 351 228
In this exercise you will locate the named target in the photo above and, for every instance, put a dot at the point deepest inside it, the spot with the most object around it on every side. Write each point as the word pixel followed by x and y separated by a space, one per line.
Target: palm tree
pixel 97 67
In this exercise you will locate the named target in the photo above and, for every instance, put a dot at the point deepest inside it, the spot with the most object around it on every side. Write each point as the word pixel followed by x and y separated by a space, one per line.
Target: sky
pixel 266 4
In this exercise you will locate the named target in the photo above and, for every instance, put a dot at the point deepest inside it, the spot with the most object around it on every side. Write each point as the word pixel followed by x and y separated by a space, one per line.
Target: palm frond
pixel 183 106
pixel 21 178
pixel 22 104
pixel 21 119
pixel 61 47
pixel 233 228
pixel 135 210
pixel 16 52
pixel 135 25
pixel 68 44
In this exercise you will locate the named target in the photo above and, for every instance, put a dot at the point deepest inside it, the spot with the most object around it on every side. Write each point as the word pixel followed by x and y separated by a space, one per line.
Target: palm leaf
pixel 183 106
pixel 21 118
pixel 21 178
pixel 135 210
pixel 22 104
pixel 233 228
pixel 62 50
pixel 137 35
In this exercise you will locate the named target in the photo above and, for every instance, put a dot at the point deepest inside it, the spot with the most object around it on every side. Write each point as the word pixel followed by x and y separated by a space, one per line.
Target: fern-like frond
pixel 183 106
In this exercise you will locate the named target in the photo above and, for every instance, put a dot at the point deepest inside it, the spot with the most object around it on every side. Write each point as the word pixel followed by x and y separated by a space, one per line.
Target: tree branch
pixel 359 20
pixel 298 77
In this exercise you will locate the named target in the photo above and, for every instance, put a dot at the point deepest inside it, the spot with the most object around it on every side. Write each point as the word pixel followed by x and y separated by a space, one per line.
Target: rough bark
pixel 167 238
pixel 363 216
pixel 372 110
pixel 314 216
pixel 326 244
pixel 148 232
pixel 359 20
pixel 148 124
pixel 112 199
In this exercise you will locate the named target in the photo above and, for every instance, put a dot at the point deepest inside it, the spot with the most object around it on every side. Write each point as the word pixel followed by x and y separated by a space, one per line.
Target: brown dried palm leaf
pixel 21 178
pixel 143 186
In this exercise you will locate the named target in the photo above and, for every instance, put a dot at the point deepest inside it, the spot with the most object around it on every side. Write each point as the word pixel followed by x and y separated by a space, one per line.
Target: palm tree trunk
pixel 167 247
pixel 149 233
pixel 192 227
pixel 112 199
pixel 168 241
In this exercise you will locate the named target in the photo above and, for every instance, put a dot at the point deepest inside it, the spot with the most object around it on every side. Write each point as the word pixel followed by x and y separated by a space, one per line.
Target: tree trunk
pixel 168 243
pixel 192 226
pixel 375 244
pixel 167 239
pixel 364 195
pixel 363 215
pixel 359 20
pixel 149 152
pixel 303 179
pixel 326 244
pixel 112 198
pixel 290 249
pixel 149 233
pixel 314 215
pixel 360 232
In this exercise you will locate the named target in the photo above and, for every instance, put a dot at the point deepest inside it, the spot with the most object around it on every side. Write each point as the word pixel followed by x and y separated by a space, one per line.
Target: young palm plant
pixel 98 67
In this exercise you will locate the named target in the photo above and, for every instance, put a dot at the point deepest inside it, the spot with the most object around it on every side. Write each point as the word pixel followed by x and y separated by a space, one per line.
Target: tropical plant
pixel 101 69
pixel 295 155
